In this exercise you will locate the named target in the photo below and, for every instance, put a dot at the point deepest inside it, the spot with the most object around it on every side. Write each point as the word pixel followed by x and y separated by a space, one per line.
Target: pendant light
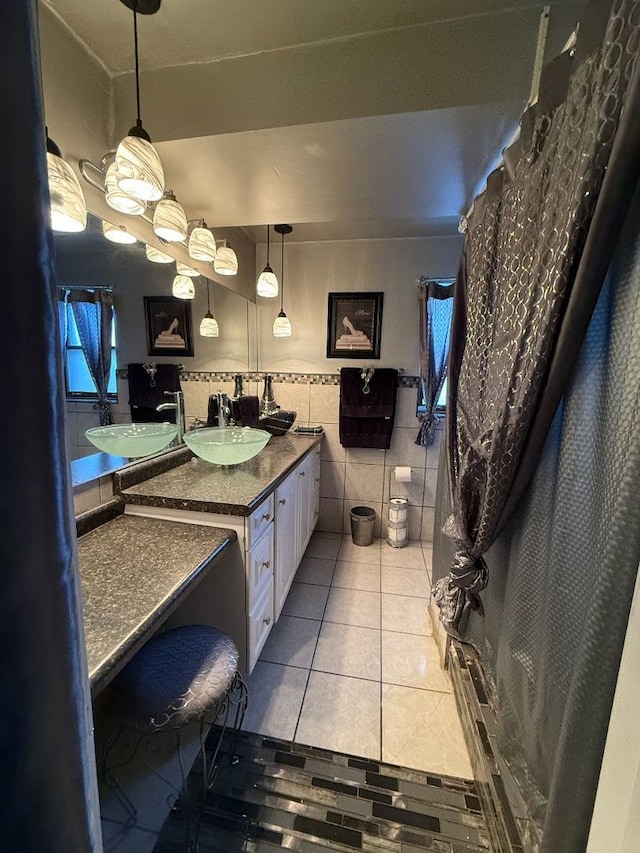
pixel 117 233
pixel 202 245
pixel 209 326
pixel 156 256
pixel 282 324
pixel 267 285
pixel 169 219
pixel 183 287
pixel 138 167
pixel 117 198
pixel 226 262
pixel 68 207
pixel 183 269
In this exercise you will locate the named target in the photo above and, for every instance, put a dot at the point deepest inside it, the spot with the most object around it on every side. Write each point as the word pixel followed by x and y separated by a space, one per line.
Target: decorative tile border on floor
pixel 510 828
pixel 285 795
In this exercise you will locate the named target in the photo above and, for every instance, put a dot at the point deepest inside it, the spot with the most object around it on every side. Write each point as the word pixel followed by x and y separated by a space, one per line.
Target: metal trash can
pixel 362 522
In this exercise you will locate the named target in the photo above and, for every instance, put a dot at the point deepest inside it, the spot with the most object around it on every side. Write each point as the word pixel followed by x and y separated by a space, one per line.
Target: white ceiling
pixel 408 174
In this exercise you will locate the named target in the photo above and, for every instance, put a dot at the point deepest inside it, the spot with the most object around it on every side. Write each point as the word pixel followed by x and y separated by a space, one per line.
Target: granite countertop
pixel 236 490
pixel 134 572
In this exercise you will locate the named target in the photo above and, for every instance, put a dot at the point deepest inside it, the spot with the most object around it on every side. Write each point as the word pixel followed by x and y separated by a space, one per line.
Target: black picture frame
pixel 167 318
pixel 360 335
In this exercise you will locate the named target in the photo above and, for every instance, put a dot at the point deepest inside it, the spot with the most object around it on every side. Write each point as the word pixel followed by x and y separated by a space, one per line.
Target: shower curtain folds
pixel 539 243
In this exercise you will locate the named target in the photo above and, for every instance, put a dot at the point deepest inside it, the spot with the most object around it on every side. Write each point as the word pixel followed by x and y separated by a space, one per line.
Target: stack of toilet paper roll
pixel 397 524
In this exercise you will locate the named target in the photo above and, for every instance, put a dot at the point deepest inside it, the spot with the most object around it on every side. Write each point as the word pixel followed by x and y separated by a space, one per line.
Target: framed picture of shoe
pixel 168 326
pixel 354 325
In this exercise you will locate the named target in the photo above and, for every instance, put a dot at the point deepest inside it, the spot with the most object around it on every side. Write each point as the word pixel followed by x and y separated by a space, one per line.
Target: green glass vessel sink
pixel 226 445
pixel 132 439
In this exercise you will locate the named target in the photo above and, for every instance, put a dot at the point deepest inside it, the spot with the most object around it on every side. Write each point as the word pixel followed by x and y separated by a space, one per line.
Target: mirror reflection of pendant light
pixel 267 285
pixel 202 245
pixel 68 207
pixel 183 287
pixel 157 256
pixel 226 262
pixel 169 219
pixel 138 167
pixel 209 326
pixel 116 198
pixel 183 269
pixel 117 233
pixel 282 324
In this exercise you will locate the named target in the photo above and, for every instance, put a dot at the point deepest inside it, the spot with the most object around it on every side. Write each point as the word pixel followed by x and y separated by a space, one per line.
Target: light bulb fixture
pixel 202 245
pixel 169 219
pixel 68 207
pixel 226 262
pixel 282 324
pixel 183 287
pixel 267 285
pixel 117 233
pixel 138 168
pixel 183 269
pixel 209 325
pixel 157 256
pixel 117 198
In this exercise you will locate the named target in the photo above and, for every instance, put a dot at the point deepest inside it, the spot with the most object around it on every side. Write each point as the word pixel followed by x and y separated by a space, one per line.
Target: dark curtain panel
pixel 435 322
pixel 48 790
pixel 563 571
pixel 539 243
pixel 93 313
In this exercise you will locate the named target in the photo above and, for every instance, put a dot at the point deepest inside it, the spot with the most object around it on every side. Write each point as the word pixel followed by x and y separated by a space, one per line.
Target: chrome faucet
pixel 178 405
pixel 224 410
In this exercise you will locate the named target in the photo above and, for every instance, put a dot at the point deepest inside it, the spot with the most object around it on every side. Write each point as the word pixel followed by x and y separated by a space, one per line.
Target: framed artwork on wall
pixel 168 326
pixel 354 325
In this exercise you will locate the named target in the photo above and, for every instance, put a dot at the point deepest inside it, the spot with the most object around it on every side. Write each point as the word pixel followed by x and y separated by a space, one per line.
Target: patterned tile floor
pixel 283 795
pixel 351 665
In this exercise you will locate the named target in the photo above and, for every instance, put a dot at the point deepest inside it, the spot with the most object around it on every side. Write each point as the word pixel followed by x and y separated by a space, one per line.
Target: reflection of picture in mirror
pixel 168 326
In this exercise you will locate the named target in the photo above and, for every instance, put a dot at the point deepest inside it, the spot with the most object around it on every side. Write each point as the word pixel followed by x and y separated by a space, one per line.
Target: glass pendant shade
pixel 183 269
pixel 157 256
pixel 116 198
pixel 183 287
pixel 267 283
pixel 138 169
pixel 202 245
pixel 169 219
pixel 226 262
pixel 68 208
pixel 209 326
pixel 282 326
pixel 117 233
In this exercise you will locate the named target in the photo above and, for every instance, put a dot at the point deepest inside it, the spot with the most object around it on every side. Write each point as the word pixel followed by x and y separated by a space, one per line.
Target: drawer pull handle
pixel 266 516
pixel 302 474
pixel 266 564
pixel 317 480
pixel 282 501
pixel 267 620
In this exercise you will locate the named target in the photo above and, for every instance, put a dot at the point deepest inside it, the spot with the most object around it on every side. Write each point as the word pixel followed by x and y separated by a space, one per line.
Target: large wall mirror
pixel 89 260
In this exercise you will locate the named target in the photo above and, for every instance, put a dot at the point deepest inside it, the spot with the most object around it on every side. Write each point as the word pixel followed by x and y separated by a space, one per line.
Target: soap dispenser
pixel 237 391
pixel 268 402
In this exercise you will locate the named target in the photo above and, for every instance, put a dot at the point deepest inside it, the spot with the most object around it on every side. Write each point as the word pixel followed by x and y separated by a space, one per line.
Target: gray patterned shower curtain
pixel 538 246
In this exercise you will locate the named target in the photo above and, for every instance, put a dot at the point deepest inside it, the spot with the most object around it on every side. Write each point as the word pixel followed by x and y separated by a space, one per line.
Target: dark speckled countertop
pixel 134 573
pixel 236 490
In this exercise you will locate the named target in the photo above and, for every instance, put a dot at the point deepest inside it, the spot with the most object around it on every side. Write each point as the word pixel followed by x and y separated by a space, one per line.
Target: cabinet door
pixel 286 561
pixel 303 496
pixel 314 491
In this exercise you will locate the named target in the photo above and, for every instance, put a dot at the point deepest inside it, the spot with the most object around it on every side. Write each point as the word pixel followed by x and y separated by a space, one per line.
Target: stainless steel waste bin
pixel 362 522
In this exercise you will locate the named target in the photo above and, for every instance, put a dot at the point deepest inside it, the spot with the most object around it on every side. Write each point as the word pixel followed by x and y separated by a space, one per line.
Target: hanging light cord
pixel 135 41
pixel 268 229
pixel 208 303
pixel 282 276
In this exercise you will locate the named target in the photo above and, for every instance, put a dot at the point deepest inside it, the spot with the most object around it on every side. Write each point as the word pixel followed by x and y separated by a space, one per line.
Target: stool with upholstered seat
pixel 183 676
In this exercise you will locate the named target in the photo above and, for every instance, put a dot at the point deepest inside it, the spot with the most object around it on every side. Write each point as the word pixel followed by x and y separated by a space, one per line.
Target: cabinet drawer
pixel 260 564
pixel 260 621
pixel 259 520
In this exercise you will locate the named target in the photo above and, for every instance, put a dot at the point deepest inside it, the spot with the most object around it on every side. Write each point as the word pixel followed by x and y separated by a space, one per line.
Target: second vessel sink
pixel 226 445
pixel 132 439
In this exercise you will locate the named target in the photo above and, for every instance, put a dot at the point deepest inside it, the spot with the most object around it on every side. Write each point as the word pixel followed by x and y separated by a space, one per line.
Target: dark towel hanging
pixel 145 397
pixel 367 419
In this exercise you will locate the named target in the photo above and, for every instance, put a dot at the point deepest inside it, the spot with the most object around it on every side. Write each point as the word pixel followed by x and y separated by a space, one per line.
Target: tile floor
pixel 351 665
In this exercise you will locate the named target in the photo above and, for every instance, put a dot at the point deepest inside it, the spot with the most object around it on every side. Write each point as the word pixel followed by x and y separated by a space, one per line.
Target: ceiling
pixel 386 149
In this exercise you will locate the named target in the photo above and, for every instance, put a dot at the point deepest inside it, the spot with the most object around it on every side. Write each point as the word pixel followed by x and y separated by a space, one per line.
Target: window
pixel 443 309
pixel 78 381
